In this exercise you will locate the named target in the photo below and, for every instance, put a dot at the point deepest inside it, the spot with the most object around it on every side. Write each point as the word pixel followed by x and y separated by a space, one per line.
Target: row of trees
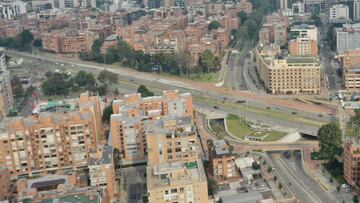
pixel 178 64
pixel 24 41
pixel 63 84
pixel 250 25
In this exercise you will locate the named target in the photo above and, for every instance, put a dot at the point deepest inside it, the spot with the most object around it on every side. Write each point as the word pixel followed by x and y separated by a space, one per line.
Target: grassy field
pixel 240 129
pixel 274 136
pixel 206 77
pixel 237 127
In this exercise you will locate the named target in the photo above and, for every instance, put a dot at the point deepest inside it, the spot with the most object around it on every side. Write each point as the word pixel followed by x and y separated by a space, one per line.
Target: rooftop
pixel 106 158
pixel 167 174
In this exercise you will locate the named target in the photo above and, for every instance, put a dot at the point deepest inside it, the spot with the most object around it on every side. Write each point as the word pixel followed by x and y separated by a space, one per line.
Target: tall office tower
pixel 6 97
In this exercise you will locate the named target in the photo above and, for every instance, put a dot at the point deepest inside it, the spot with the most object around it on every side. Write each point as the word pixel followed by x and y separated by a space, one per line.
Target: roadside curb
pixel 311 174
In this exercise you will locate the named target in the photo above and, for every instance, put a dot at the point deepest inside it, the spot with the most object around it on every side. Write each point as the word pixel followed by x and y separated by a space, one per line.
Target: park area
pixel 240 128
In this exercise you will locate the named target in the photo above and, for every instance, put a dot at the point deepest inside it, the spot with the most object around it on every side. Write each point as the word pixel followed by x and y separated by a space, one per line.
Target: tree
pixel 37 43
pixel 242 15
pixel 330 142
pixel 184 61
pixel 95 47
pixel 207 60
pixel 55 84
pixel 355 199
pixel 280 185
pixel 353 126
pixel 212 186
pixel 144 91
pixel 17 87
pixel 107 114
pixel 213 25
pixel 106 76
pixel 25 38
pixel 84 79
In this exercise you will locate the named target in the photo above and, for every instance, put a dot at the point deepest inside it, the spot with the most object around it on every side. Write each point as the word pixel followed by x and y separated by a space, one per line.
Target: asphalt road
pixel 296 168
pixel 127 81
pixel 302 192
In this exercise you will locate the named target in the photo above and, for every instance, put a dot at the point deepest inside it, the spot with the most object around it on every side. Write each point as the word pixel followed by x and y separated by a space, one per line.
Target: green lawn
pixel 240 129
pixel 206 77
pixel 237 127
pixel 274 136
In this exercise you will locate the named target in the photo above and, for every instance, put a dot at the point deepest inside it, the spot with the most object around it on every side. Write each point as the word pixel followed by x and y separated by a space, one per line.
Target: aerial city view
pixel 180 101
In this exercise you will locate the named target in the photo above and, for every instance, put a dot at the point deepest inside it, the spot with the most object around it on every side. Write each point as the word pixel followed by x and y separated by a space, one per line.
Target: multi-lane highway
pixel 205 94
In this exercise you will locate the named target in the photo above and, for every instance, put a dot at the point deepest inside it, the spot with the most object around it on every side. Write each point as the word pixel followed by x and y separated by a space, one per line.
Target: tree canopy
pixel 16 87
pixel 107 77
pixel 85 80
pixel 144 91
pixel 207 60
pixel 242 15
pixel 353 126
pixel 56 84
pixel 330 142
pixel 213 25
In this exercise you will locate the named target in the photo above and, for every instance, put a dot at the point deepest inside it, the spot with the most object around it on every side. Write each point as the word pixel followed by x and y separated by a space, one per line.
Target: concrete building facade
pixel 6 97
pixel 102 171
pixel 289 76
pixel 222 162
pixel 131 114
pixel 302 46
pixel 48 142
pixel 347 38
pixel 339 11
pixel 350 61
pixel 351 164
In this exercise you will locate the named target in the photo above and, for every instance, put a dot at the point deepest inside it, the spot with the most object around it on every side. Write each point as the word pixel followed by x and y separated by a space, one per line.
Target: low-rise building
pixel 64 188
pixel 339 11
pixel 176 182
pixel 350 61
pixel 68 41
pixel 6 97
pixel 290 75
pixel 304 30
pixel 109 42
pixel 222 162
pixel 351 164
pixel 347 37
pixel 303 46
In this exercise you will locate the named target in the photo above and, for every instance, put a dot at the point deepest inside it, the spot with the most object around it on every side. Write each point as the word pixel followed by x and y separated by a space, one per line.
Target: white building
pixel 356 12
pixel 339 11
pixel 347 37
pixel 298 8
pixel 10 9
